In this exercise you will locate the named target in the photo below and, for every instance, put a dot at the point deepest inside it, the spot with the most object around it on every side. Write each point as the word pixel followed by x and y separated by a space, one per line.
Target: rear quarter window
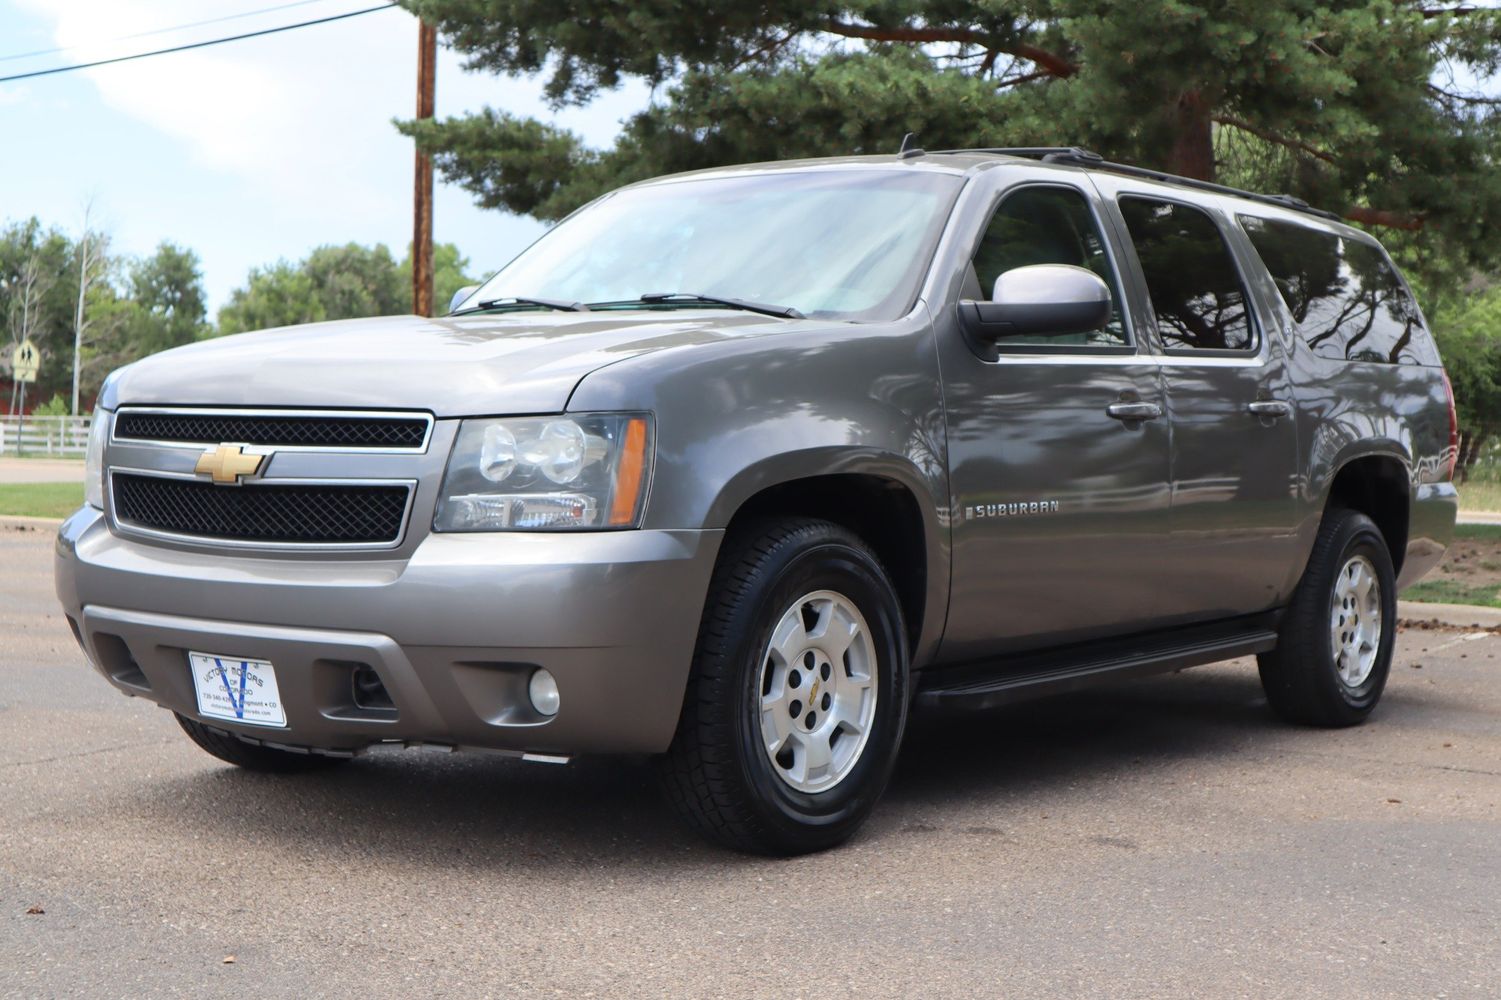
pixel 1344 295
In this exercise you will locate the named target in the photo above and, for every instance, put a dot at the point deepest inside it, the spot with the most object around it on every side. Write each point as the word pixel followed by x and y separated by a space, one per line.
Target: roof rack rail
pixel 1048 154
pixel 1079 157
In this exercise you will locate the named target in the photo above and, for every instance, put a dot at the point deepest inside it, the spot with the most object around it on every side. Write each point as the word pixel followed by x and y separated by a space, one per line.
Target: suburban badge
pixel 982 510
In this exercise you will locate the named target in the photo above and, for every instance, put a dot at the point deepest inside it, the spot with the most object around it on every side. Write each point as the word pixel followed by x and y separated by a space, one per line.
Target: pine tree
pixel 1366 107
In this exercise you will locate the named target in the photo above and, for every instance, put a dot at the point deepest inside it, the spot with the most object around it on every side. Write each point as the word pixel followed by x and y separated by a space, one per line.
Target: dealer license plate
pixel 237 690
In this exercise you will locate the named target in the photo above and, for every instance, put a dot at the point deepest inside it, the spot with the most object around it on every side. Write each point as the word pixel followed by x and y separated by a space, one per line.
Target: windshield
pixel 845 244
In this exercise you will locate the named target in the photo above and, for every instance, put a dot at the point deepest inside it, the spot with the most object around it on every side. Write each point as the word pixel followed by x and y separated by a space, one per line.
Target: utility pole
pixel 422 196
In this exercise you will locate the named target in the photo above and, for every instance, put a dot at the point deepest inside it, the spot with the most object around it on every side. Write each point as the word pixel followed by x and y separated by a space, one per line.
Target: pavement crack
pixel 85 753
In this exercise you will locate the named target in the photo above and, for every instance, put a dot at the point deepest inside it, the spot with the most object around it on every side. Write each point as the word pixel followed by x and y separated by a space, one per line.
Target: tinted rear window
pixel 1346 298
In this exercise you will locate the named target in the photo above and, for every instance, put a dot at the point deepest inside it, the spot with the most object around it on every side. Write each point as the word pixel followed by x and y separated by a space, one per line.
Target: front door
pixel 1059 507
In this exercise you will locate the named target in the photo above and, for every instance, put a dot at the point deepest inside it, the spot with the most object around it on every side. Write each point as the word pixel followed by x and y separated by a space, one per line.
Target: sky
pixel 250 151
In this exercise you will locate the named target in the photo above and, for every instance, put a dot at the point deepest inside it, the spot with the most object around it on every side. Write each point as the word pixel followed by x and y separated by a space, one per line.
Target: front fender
pixel 736 417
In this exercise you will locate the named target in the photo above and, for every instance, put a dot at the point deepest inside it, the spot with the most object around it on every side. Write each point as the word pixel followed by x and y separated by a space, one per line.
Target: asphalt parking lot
pixel 1163 839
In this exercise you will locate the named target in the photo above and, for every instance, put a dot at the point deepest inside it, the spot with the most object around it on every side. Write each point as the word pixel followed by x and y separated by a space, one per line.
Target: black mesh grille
pixel 305 514
pixel 278 430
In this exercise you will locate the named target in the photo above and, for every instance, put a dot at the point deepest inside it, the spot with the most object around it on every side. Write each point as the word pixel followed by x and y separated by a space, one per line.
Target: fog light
pixel 368 691
pixel 544 691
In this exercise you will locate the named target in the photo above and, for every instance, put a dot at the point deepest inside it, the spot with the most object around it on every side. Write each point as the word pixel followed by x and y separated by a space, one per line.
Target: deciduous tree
pixel 336 282
pixel 36 301
pixel 450 273
pixel 1468 328
pixel 332 282
pixel 168 286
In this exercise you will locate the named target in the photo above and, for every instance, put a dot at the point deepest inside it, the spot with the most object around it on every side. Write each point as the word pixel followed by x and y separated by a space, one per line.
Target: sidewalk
pixel 41 470
pixel 1451 615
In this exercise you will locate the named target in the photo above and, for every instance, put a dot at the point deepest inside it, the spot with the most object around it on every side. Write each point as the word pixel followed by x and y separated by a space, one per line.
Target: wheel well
pixel 883 512
pixel 1377 487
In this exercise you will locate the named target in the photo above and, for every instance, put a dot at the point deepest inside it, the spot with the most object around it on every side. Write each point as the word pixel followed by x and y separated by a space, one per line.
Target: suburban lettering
pixel 977 511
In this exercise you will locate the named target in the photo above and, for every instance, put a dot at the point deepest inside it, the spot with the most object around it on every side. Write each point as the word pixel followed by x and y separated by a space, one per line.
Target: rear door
pixel 1059 509
pixel 1230 402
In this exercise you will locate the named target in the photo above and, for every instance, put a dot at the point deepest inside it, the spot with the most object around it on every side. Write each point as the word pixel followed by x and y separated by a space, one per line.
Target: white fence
pixel 60 437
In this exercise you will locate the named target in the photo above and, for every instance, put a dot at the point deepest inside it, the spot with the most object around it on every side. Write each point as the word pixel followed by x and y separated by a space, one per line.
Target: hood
pixel 451 366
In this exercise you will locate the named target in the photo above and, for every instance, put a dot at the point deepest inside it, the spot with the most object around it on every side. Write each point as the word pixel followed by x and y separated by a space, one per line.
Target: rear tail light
pixel 1453 429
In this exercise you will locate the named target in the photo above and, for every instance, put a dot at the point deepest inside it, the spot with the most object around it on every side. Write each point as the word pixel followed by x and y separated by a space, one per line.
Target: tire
pixel 723 772
pixel 1304 680
pixel 251 756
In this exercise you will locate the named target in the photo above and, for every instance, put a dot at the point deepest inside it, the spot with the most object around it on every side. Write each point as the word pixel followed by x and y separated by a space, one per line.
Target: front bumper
pixel 453 632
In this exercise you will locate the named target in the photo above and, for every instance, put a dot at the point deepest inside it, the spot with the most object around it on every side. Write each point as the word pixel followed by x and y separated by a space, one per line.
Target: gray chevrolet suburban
pixel 735 467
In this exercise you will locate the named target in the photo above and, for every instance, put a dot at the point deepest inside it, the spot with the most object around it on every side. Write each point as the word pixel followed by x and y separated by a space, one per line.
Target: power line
pixel 159 31
pixel 194 45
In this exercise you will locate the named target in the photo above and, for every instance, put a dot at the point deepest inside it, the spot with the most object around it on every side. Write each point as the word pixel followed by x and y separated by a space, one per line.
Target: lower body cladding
pixel 439 649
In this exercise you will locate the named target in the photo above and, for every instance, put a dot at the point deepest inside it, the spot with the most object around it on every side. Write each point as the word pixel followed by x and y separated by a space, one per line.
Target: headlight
pixel 547 473
pixel 93 460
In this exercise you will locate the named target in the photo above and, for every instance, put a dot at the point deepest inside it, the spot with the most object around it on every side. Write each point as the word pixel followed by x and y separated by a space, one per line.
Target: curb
pixel 1452 615
pixel 33 523
pixel 1478 517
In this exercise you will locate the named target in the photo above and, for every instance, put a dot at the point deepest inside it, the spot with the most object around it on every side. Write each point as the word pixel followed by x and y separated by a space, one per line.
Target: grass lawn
pixel 1476 495
pixel 1433 591
pixel 1470 572
pixel 40 499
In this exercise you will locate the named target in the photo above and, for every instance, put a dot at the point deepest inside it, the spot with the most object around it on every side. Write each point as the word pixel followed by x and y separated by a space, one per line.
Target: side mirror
pixel 1041 300
pixel 460 295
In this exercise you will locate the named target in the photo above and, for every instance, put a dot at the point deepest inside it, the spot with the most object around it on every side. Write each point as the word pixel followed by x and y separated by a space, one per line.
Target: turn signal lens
pixel 630 475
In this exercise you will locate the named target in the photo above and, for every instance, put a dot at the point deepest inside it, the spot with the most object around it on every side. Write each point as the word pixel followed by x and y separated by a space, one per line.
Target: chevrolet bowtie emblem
pixel 227 463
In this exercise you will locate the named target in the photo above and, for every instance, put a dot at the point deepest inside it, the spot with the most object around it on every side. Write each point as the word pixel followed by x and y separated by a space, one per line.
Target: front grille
pixel 302 514
pixel 279 430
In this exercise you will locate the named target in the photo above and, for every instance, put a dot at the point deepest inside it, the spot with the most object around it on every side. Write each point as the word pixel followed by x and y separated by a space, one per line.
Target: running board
pixel 1034 675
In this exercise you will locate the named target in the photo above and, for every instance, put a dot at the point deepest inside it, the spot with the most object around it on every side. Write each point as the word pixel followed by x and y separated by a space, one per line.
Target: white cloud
pixel 14 94
pixel 297 124
pixel 314 103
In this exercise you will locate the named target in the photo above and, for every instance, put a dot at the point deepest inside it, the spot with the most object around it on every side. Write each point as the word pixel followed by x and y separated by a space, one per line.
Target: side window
pixel 1195 289
pixel 1047 225
pixel 1347 301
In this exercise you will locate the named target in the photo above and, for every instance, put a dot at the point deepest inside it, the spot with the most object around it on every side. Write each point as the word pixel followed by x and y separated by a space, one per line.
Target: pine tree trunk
pixel 1192 154
pixel 1469 453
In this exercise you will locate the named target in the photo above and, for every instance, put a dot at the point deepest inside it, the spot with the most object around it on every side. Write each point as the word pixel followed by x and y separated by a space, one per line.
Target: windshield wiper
pixel 517 300
pixel 654 298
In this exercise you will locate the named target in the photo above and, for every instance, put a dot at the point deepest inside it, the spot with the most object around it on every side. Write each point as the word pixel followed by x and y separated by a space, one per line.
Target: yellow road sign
pixel 24 362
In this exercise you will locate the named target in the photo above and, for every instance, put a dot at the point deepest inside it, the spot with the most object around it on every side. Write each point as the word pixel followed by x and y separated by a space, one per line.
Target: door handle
pixel 1133 411
pixel 1272 408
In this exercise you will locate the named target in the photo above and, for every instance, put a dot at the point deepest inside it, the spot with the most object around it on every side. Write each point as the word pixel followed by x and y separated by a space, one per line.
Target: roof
pixel 962 161
pixel 1078 157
